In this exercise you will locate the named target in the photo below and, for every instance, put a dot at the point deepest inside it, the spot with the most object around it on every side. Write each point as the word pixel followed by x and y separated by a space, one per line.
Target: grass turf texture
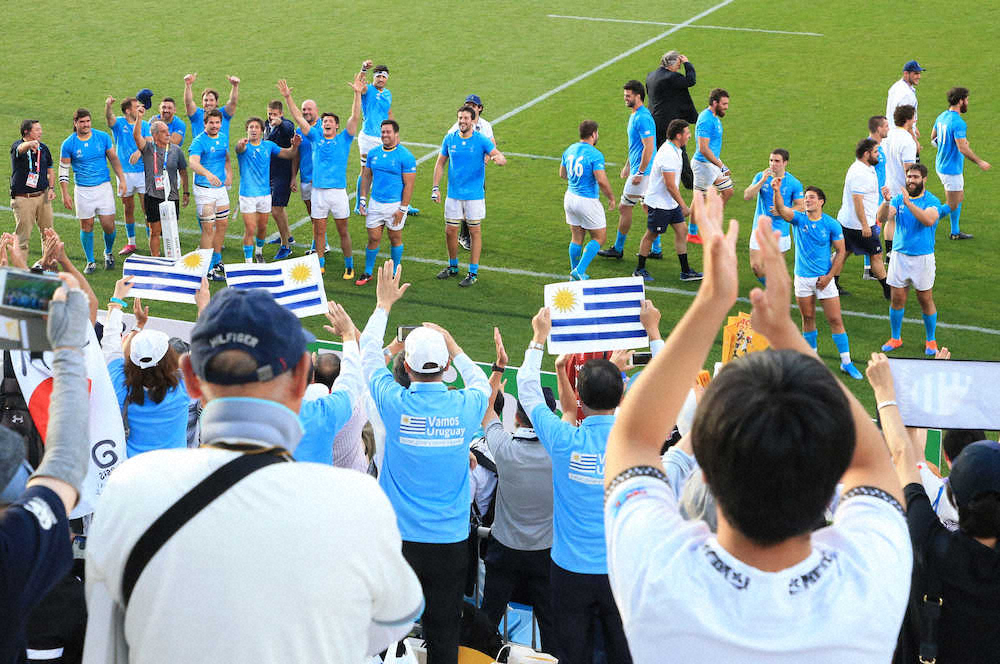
pixel 810 95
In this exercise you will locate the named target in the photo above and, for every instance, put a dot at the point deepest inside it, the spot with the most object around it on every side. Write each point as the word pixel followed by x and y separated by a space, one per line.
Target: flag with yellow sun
pixel 596 315
pixel 169 279
pixel 296 283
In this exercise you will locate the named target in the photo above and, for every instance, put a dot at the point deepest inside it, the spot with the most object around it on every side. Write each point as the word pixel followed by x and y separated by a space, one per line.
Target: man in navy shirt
pixel 280 130
pixel 34 529
pixel 31 188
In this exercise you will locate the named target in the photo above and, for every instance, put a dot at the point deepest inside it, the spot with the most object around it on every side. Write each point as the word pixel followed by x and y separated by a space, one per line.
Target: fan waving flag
pixel 296 283
pixel 173 280
pixel 596 315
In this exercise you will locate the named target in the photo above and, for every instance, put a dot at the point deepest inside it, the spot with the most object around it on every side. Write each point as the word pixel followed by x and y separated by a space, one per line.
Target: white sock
pixel 845 358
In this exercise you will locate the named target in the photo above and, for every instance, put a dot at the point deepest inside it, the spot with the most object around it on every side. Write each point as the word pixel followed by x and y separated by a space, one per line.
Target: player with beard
pixel 858 210
pixel 916 212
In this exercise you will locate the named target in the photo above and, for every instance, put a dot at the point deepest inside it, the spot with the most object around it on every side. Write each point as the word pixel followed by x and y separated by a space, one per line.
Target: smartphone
pixel 641 359
pixel 23 292
pixel 403 331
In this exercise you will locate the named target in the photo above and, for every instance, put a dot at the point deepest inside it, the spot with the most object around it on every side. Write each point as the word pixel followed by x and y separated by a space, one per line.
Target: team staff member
pixel 280 130
pixel 125 147
pixel 210 101
pixel 641 133
pixel 816 234
pixel 425 472
pixel 209 156
pixel 466 152
pixel 390 173
pixel 670 98
pixel 949 135
pixel 166 174
pixel 878 129
pixel 31 183
pixel 85 150
pixel 34 528
pixel 904 93
pixel 579 571
pixel 255 156
pixel 376 106
pixel 916 212
pixel 583 167
pixel 328 150
pixel 900 151
pixel 762 188
pixel 858 211
pixel 175 125
pixel 665 203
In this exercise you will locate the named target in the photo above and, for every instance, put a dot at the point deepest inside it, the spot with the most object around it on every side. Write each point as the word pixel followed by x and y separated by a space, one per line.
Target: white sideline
pixel 705 27
pixel 551 276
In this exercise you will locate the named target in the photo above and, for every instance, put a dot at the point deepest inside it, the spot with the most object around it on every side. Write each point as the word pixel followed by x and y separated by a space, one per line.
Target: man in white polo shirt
pixel 858 207
pixel 900 151
pixel 904 92
pixel 768 587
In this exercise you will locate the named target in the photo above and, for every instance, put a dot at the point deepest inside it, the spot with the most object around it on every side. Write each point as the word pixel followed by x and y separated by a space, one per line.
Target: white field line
pixel 551 276
pixel 705 27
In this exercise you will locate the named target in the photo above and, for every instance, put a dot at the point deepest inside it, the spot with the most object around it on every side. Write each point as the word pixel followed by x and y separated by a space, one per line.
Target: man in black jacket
pixel 670 98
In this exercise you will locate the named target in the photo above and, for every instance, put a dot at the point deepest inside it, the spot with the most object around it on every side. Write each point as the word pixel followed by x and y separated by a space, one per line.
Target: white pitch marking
pixel 705 27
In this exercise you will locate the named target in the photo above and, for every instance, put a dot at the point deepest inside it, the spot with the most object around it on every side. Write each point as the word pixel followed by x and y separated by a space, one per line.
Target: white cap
pixel 426 351
pixel 148 348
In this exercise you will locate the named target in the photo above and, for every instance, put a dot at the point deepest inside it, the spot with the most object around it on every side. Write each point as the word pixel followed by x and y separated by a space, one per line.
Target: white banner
pixel 947 394
pixel 106 434
pixel 171 238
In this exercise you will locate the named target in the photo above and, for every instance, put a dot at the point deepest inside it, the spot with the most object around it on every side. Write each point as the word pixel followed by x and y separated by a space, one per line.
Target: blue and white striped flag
pixel 296 283
pixel 173 280
pixel 596 315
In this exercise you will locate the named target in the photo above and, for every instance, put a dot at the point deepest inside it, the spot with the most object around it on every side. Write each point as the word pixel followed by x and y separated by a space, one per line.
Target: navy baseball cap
pixel 913 65
pixel 146 97
pixel 251 321
pixel 474 99
pixel 975 471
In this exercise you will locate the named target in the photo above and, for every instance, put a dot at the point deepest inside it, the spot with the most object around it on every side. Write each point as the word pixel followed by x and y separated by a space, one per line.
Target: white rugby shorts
pixel 305 190
pixel 806 286
pixel 916 271
pixel 587 213
pixel 135 183
pixel 92 201
pixel 330 201
pixel 380 214
pixel 366 143
pixel 211 195
pixel 456 210
pixel 251 204
pixel 633 193
pixel 952 182
pixel 785 243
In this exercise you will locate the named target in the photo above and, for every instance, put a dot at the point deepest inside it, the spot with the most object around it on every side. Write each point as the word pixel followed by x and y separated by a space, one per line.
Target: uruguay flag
pixel 296 283
pixel 596 315
pixel 173 280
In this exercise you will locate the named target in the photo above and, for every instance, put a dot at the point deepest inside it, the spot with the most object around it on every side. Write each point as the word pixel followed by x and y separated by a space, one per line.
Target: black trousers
pixel 582 604
pixel 441 570
pixel 524 577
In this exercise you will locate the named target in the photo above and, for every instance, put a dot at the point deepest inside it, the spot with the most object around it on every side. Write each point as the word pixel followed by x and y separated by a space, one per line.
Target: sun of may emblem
pixel 300 273
pixel 192 261
pixel 564 300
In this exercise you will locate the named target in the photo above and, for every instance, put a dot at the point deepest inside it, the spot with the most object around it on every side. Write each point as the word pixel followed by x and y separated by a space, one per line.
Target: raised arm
pixel 109 115
pixel 783 211
pixel 358 85
pixel 496 376
pixel 189 105
pixel 567 397
pixel 296 112
pixel 751 192
pixel 234 96
pixel 900 446
pixel 292 151
pixel 140 140
pixel 926 216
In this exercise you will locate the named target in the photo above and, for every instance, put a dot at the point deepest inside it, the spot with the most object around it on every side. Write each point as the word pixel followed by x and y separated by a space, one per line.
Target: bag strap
pixel 186 508
pixel 932 601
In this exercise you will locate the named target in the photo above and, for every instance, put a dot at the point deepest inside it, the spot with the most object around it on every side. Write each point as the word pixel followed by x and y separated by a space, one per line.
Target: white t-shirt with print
pixel 682 597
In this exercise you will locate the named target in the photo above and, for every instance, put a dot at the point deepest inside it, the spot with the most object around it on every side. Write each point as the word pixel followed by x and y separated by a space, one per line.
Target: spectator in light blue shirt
pixel 425 472
pixel 579 572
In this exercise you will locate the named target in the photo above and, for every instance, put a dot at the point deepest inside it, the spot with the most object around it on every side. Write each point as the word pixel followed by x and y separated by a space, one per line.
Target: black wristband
pixel 497 368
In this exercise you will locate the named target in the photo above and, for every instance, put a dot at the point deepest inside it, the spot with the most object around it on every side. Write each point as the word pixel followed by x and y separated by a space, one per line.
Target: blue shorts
pixel 659 220
pixel 281 191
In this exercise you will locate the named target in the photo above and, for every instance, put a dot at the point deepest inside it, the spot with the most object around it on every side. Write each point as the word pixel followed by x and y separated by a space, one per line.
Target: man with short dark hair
pixel 125 146
pixel 904 93
pixel 582 166
pixel 425 472
pixel 168 109
pixel 641 133
pixel 949 137
pixel 209 157
pixel 915 213
pixel 86 150
pixel 323 556
pixel 376 106
pixel 900 151
pixel 483 126
pixel 280 130
pixel 210 102
pixel 878 129
pixel 579 570
pixel 774 434
pixel 32 188
pixel 858 211
pixel 762 188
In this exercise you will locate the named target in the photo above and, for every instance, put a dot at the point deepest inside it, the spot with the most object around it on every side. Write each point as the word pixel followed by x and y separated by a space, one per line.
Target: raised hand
pixel 388 290
pixel 340 322
pixel 502 358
